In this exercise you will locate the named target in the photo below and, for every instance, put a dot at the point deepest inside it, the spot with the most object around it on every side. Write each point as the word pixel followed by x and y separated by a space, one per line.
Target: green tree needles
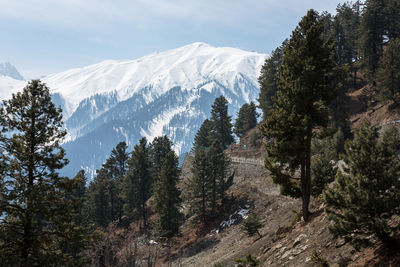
pixel 38 207
pixel 363 201
pixel 307 84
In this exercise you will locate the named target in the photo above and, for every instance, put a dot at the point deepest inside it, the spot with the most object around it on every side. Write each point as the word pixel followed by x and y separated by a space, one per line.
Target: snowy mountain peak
pixel 166 93
pixel 7 69
pixel 186 66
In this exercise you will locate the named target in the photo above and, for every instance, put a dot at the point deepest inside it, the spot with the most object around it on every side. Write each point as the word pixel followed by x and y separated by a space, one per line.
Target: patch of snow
pixel 241 213
pixel 152 242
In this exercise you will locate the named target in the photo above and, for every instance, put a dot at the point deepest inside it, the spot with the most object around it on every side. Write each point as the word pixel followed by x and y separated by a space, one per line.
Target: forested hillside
pixel 313 179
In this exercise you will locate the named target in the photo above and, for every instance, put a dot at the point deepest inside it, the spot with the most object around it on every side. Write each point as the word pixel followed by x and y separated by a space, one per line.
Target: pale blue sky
pixel 46 36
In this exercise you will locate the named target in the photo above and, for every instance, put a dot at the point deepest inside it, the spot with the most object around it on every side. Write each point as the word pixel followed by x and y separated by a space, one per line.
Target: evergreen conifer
pixel 363 201
pixel 307 84
pixel 37 206
pixel 167 200
pixel 221 122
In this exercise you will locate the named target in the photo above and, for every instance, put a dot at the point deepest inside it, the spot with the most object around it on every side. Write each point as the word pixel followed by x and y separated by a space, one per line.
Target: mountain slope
pixel 6 69
pixel 163 93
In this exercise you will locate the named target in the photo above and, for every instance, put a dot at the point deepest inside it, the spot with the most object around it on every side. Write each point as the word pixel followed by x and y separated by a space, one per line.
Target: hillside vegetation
pixel 314 183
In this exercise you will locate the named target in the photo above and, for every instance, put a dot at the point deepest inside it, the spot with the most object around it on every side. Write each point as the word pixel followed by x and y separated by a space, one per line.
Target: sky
pixel 41 37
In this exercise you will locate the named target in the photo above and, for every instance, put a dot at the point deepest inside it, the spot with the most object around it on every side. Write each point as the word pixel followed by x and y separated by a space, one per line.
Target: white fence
pixel 259 162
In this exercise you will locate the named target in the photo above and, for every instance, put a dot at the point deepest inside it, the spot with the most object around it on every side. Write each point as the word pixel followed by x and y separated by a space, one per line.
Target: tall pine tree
pixel 307 85
pixel 138 181
pixel 36 207
pixel 159 149
pixel 372 35
pixel 167 200
pixel 221 122
pixel 268 79
pixel 389 72
pixel 199 188
pixel 105 192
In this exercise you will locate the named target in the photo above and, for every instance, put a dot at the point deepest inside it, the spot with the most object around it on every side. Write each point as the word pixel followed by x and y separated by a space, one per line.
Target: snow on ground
pixel 238 215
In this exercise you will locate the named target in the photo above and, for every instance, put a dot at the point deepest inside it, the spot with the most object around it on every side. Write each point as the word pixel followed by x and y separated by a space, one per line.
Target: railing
pixel 259 162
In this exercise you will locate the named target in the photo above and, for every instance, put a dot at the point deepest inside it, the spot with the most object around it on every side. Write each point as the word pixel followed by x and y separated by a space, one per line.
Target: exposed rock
pixel 299 239
pixel 340 242
pixel 287 253
pixel 266 249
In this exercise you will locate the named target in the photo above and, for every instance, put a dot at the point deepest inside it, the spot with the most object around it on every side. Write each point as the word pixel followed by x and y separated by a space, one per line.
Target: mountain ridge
pixel 165 93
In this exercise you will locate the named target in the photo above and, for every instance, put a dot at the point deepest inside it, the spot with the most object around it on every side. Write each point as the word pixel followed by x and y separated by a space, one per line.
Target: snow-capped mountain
pixel 11 80
pixel 6 69
pixel 163 93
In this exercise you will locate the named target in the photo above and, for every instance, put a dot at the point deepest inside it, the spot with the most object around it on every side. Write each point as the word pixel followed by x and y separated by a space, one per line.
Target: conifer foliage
pixel 105 193
pixel 389 72
pixel 307 85
pixel 208 184
pixel 221 122
pixel 138 181
pixel 37 206
pixel 246 120
pixel 268 79
pixel 252 224
pixel 167 200
pixel 203 137
pixel 363 201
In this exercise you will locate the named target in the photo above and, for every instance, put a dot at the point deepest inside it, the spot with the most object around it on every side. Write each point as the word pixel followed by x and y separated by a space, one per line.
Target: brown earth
pixel 286 241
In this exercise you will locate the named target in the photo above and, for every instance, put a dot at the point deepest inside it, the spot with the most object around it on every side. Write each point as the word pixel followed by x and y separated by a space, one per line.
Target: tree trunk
pixel 355 79
pixel 144 214
pixel 27 245
pixel 259 235
pixel 306 177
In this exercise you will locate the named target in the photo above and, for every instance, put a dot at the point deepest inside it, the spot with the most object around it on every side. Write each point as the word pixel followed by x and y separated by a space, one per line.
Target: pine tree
pixel 268 79
pixel 98 201
pixel 246 120
pixel 208 184
pixel 167 200
pixel 105 192
pixel 221 122
pixel 388 74
pixel 138 181
pixel 372 35
pixel 346 28
pixel 392 19
pixel 35 202
pixel 219 169
pixel 363 201
pixel 159 149
pixel 307 85
pixel 252 224
pixel 323 172
pixel 117 165
pixel 80 193
pixel 203 138
pixel 199 187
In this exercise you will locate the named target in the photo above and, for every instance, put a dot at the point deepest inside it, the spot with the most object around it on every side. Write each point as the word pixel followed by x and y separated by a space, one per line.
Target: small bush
pixel 248 261
pixel 252 224
pixel 317 258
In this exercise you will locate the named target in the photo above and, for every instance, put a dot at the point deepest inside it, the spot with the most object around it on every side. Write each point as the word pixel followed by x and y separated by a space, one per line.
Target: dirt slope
pixel 286 241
